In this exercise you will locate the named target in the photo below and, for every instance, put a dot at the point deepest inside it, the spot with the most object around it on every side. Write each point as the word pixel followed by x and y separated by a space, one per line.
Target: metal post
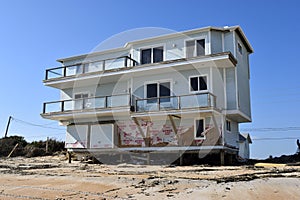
pixel 44 108
pixel 125 61
pixel 7 127
pixel 62 106
pixel 222 157
pixel 65 72
pixel 47 144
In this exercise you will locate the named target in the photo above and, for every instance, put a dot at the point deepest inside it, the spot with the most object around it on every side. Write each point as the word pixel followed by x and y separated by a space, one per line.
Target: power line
pixel 277 138
pixel 36 125
pixel 269 129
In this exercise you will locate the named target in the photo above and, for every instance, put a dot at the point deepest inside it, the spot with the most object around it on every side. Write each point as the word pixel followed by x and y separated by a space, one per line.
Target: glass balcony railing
pixel 103 102
pixel 89 67
pixel 200 100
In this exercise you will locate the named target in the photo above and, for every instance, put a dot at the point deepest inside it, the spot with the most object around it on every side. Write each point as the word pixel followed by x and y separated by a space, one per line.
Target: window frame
pixel 158 82
pixel 83 100
pixel 195 130
pixel 240 48
pixel 195 49
pixel 152 52
pixel 228 126
pixel 198 91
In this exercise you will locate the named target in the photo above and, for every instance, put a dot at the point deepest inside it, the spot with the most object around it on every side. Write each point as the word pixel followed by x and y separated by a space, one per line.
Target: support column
pixel 180 158
pixel 69 157
pixel 222 157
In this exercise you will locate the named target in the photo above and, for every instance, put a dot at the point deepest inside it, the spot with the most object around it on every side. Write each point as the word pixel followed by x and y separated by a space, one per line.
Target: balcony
pixel 190 101
pixel 83 106
pixel 89 67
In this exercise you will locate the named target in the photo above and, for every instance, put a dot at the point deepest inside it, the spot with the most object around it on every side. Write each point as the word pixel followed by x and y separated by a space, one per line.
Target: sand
pixel 53 178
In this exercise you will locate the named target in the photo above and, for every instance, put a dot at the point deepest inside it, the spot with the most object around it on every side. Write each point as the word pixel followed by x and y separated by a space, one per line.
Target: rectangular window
pixel 240 49
pixel 158 54
pixel 164 91
pixel 228 125
pixel 152 55
pixel 156 90
pixel 80 101
pixel 198 83
pixel 200 47
pixel 195 48
pixel 146 56
pixel 199 128
pixel 190 48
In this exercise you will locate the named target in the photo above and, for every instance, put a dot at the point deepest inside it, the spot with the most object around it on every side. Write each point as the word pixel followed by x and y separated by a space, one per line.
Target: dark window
pixel 194 84
pixel 199 128
pixel 152 55
pixel 203 83
pixel 200 47
pixel 146 56
pixel 195 48
pixel 198 83
pixel 164 91
pixel 152 92
pixel 158 54
pixel 156 90
pixel 240 49
pixel 228 125
pixel 190 48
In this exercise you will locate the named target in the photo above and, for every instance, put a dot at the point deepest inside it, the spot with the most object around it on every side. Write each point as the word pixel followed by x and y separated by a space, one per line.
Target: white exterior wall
pixel 243 78
pixel 244 150
pixel 232 137
pixel 230 85
pixel 174 48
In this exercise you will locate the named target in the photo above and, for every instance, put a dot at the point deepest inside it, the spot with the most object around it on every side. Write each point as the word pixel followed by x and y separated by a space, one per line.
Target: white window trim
pixel 157 82
pixel 195 131
pixel 152 47
pixel 199 91
pixel 206 51
pixel 226 128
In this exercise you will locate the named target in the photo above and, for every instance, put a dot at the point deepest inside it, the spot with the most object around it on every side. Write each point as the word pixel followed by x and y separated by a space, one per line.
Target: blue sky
pixel 35 33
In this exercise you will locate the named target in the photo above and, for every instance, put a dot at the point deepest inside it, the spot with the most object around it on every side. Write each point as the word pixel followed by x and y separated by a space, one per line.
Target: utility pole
pixel 7 127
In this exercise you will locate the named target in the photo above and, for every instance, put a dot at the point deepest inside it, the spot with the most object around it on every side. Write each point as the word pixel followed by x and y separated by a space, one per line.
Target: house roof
pixel 245 136
pixel 237 29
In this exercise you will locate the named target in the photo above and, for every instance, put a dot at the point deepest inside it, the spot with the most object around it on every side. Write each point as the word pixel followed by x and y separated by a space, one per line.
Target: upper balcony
pixel 86 107
pixel 70 72
pixel 124 104
pixel 110 70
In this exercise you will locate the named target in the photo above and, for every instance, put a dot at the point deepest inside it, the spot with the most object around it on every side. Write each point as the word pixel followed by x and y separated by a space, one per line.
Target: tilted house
pixel 179 93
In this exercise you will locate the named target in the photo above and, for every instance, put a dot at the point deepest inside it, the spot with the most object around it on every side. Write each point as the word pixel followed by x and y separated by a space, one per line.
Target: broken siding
pixel 162 133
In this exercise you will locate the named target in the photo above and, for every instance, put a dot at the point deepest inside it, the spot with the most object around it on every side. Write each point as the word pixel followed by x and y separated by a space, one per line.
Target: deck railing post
pixel 125 61
pixel 103 65
pixel 158 101
pixel 65 72
pixel 44 108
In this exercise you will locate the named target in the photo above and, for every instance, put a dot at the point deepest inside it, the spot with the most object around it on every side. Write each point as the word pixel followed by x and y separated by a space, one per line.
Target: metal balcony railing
pixel 199 100
pixel 89 67
pixel 103 102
